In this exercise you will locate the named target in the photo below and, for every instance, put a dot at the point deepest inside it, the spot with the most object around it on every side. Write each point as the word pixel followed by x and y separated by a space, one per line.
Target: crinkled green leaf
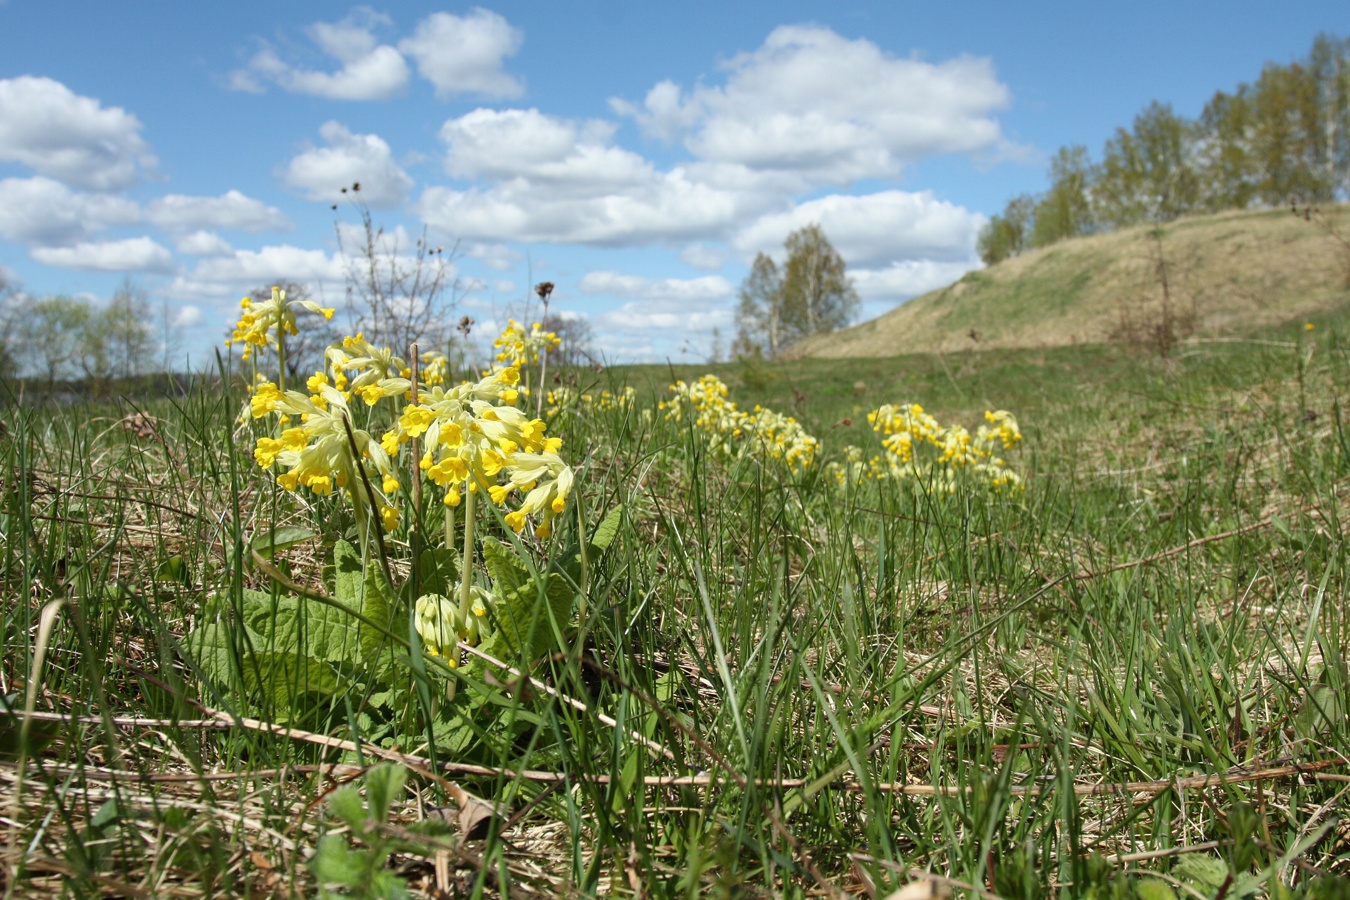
pixel 608 528
pixel 268 542
pixel 1204 873
pixel 506 569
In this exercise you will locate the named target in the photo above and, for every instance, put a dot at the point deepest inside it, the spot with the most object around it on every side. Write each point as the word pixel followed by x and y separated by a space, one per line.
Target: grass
pixel 1127 681
pixel 1236 272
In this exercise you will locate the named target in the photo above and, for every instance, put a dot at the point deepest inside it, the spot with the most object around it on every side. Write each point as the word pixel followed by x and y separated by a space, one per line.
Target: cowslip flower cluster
pixel 919 448
pixel 562 397
pixel 435 369
pixel 518 347
pixel 762 433
pixel 318 453
pixel 263 324
pixel 475 440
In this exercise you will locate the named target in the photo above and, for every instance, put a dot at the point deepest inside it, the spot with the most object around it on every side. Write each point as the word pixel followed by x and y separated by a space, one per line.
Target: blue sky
pixel 638 155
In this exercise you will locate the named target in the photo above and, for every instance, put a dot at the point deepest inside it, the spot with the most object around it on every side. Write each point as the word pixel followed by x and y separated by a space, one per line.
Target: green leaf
pixel 345 803
pixel 1154 889
pixel 608 528
pixel 268 542
pixel 383 784
pixel 506 569
pixel 1204 873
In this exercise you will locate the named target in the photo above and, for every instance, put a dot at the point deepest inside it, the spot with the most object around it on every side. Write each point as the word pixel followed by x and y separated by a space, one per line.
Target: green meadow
pixel 718 675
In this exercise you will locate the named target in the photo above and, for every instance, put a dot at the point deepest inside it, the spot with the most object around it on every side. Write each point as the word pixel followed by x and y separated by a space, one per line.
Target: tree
pixel 759 312
pixel 396 295
pixel 52 338
pixel 1063 211
pixel 810 295
pixel 576 347
pixel 1226 167
pixel 1148 174
pixel 9 364
pixel 120 344
pixel 1007 235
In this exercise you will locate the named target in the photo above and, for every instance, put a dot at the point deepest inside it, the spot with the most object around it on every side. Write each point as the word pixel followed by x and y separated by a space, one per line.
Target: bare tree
pixel 577 340
pixel 396 295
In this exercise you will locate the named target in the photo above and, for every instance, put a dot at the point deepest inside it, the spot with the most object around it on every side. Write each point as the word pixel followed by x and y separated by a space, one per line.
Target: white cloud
pixel 813 102
pixel 188 315
pixel 204 243
pixel 704 256
pixel 553 180
pixel 40 210
pixel 658 290
pixel 230 276
pixel 525 143
pixel 904 280
pixel 495 256
pixel 874 228
pixel 139 254
pixel 231 210
pixel 74 139
pixel 464 54
pixel 370 70
pixel 662 315
pixel 323 172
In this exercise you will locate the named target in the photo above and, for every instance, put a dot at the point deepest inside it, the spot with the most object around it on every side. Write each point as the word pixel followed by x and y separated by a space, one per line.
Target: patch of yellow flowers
pixel 919 448
pixel 265 324
pixel 518 347
pixel 762 433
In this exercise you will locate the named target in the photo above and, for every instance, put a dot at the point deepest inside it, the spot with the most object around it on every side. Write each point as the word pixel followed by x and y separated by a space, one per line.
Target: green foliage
pixel 363 872
pixel 1007 235
pixel 280 649
pixel 1063 211
pixel 1283 139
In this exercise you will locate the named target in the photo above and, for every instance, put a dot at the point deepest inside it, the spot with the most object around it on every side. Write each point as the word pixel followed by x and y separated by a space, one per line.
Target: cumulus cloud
pixel 904 280
pixel 546 179
pixel 43 211
pixel 187 316
pixel 839 110
pixel 873 229
pixel 76 140
pixel 661 316
pixel 323 172
pixel 204 243
pixel 369 70
pixel 464 54
pixel 139 254
pixel 495 256
pixel 704 256
pixel 230 276
pixel 231 210
pixel 673 291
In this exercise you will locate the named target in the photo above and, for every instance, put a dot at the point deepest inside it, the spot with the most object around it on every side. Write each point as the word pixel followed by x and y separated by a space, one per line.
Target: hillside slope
pixel 1228 273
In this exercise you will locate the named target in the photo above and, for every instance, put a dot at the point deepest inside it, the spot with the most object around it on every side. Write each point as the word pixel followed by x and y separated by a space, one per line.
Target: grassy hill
pixel 1230 273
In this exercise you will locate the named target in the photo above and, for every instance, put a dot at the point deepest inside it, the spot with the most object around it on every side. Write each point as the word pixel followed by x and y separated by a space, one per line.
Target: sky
pixel 637 155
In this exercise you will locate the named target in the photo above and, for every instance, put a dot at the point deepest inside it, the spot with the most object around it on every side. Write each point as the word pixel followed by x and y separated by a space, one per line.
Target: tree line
pixel 58 339
pixel 1284 139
